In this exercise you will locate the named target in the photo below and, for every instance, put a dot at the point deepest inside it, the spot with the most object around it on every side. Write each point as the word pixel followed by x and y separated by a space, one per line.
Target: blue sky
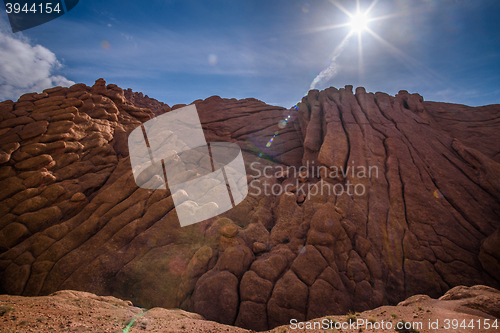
pixel 180 51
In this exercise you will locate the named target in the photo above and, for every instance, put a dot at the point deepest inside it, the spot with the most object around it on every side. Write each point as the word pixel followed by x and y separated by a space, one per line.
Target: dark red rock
pixel 288 300
pixel 252 316
pixel 216 297
pixel 254 288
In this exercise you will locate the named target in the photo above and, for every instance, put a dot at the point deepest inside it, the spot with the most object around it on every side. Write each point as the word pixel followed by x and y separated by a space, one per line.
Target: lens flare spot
pixel 438 194
pixel 212 59
pixel 105 45
pixel 306 7
pixel 268 144
pixel 177 266
pixel 312 74
pixel 290 115
pixel 259 149
pixel 126 329
pixel 282 123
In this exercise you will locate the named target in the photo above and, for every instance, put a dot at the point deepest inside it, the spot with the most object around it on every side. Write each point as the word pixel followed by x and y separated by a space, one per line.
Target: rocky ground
pixel 73 218
pixel 76 311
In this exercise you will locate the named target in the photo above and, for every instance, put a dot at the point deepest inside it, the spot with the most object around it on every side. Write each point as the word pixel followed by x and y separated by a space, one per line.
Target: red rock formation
pixel 72 217
pixel 144 101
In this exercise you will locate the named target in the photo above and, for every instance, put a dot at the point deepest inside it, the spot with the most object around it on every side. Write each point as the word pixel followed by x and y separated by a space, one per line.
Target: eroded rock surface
pixel 144 101
pixel 419 211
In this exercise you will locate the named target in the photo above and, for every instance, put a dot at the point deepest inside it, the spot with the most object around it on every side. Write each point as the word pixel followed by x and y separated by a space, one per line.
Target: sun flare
pixel 359 22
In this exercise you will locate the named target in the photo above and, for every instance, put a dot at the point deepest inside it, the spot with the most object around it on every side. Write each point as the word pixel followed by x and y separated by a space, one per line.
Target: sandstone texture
pixel 144 101
pixel 419 211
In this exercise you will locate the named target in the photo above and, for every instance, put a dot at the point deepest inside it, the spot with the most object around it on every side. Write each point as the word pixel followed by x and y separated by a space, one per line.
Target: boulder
pixel 216 297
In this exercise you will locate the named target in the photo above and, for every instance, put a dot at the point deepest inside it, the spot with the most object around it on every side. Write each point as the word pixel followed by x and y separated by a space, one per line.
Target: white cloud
pixel 25 68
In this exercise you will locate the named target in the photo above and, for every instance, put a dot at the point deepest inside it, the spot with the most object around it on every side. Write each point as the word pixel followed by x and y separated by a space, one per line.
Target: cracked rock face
pixel 355 200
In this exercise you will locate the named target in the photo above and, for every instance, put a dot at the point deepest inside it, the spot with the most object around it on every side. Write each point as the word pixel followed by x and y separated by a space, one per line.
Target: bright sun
pixel 359 22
